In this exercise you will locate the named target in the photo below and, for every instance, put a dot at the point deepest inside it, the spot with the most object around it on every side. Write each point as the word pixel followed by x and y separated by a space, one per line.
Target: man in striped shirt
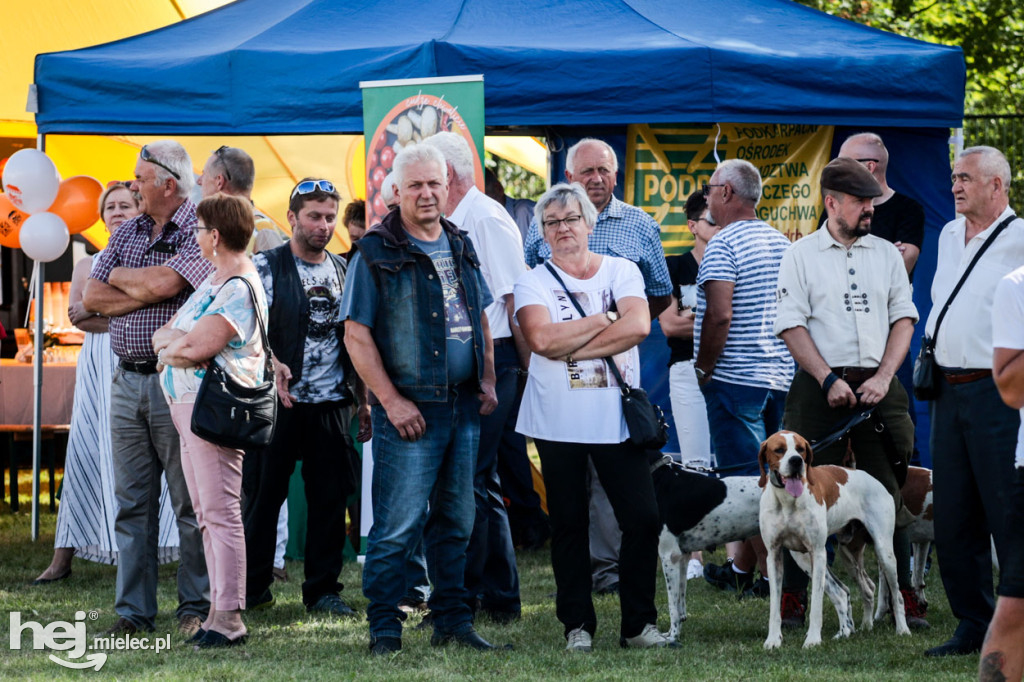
pixel 743 369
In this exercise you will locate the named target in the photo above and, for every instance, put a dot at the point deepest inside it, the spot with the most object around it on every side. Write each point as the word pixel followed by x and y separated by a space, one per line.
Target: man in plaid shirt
pixel 625 231
pixel 148 270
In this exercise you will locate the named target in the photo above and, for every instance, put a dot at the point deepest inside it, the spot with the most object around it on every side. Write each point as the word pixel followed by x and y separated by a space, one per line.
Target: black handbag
pixel 235 416
pixel 926 370
pixel 645 421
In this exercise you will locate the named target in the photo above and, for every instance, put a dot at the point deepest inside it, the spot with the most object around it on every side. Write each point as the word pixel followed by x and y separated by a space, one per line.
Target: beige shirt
pixel 846 299
pixel 965 337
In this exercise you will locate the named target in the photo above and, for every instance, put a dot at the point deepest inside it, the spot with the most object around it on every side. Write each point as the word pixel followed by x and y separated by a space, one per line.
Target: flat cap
pixel 850 177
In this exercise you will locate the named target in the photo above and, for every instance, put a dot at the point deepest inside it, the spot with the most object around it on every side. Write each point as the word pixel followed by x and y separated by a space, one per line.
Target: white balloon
pixel 31 181
pixel 44 237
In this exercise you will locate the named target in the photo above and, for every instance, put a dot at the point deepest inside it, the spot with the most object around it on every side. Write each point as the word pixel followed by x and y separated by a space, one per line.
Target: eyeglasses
pixel 220 156
pixel 310 186
pixel 570 222
pixel 866 160
pixel 197 228
pixel 119 183
pixel 147 155
pixel 706 187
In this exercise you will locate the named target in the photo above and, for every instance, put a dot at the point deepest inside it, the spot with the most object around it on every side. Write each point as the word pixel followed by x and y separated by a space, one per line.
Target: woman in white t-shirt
pixel 572 409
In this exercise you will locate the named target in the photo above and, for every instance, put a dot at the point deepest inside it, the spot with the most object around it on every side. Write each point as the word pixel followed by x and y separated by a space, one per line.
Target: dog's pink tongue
pixel 794 486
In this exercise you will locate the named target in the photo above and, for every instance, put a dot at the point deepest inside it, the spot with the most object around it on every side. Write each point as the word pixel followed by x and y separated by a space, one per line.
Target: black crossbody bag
pixel 926 370
pixel 235 416
pixel 645 421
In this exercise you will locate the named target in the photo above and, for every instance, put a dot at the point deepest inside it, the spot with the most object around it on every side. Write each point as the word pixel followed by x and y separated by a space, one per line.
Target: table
pixel 16 395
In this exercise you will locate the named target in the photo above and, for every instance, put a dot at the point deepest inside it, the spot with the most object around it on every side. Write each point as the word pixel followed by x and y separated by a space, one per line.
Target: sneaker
pixel 649 638
pixel 916 610
pixel 264 601
pixel 189 624
pixel 332 605
pixel 794 604
pixel 760 589
pixel 694 569
pixel 579 640
pixel 724 577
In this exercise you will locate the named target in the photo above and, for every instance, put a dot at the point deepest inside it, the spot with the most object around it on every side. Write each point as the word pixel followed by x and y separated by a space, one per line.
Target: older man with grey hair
pixel 491 573
pixel 742 368
pixel 148 270
pixel 974 433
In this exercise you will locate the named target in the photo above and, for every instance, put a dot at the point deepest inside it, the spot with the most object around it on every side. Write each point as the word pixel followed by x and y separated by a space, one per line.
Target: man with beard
pixel 315 386
pixel 846 314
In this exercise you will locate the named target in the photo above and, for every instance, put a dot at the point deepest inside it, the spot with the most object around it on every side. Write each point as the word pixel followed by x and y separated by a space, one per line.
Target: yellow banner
pixel 665 164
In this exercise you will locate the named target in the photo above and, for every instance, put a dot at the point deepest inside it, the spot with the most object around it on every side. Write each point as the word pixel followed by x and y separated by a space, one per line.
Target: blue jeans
pixel 437 469
pixel 741 418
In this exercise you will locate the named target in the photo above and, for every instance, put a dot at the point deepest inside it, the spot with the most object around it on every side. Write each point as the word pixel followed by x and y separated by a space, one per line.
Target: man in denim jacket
pixel 416 334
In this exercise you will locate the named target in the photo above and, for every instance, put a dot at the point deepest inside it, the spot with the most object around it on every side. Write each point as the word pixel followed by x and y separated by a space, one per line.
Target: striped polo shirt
pixel 748 253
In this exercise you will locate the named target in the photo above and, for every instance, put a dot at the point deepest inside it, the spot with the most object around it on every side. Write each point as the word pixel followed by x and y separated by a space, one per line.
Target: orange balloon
pixel 77 202
pixel 10 223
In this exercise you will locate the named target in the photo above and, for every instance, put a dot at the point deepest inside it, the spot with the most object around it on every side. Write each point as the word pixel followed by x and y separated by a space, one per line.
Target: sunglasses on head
pixel 220 156
pixel 119 183
pixel 147 155
pixel 310 186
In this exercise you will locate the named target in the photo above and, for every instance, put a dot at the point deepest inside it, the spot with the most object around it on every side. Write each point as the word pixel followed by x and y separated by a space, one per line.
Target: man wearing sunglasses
pixel 148 270
pixel 230 170
pixel 304 284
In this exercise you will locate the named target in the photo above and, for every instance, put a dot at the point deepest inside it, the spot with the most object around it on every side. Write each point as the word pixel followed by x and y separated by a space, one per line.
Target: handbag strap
pixel 611 363
pixel 963 278
pixel 268 368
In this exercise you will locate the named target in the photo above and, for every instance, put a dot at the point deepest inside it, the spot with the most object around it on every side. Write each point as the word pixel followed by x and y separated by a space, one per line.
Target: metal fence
pixel 1005 133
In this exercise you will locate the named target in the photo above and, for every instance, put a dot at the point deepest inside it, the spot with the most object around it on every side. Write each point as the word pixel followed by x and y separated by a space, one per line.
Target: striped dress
pixel 88 508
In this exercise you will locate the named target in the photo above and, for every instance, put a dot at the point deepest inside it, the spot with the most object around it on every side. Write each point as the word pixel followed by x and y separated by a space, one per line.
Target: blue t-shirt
pixel 359 303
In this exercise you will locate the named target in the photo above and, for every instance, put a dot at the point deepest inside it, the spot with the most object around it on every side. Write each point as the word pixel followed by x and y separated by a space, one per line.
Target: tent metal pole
pixel 37 386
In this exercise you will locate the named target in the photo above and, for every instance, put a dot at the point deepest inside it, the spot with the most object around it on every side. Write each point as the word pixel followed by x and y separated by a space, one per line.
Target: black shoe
pixel 955 646
pixel 794 606
pixel 502 617
pixel 215 640
pixel 46 581
pixel 725 578
pixel 759 590
pixel 469 638
pixel 332 604
pixel 264 601
pixel 200 633
pixel 385 646
pixel 122 626
pixel 610 589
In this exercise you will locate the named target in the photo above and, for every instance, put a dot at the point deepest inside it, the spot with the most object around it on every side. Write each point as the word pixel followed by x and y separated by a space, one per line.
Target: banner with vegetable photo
pixel 667 163
pixel 398 113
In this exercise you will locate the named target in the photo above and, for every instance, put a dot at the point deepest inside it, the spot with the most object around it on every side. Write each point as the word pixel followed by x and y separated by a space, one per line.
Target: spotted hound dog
pixel 799 508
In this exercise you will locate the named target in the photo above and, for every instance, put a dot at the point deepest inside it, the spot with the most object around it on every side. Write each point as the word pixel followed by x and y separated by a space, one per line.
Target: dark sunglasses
pixel 147 155
pixel 706 187
pixel 310 186
pixel 119 183
pixel 220 156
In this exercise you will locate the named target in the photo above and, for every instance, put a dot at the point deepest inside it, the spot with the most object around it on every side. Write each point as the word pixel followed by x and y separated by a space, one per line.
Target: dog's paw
pixel 812 642
pixel 773 642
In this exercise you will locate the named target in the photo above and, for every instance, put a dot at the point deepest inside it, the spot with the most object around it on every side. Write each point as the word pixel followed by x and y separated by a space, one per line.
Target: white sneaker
pixel 579 640
pixel 694 569
pixel 648 639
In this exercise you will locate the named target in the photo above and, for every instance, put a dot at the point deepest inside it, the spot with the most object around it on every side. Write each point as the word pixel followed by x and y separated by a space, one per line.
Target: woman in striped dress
pixel 85 519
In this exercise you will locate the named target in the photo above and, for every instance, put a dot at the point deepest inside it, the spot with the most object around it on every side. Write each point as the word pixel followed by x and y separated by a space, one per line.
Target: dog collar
pixel 664 461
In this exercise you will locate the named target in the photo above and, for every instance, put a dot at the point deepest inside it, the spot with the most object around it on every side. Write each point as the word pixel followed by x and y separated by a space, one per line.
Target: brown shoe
pixel 122 626
pixel 280 574
pixel 189 624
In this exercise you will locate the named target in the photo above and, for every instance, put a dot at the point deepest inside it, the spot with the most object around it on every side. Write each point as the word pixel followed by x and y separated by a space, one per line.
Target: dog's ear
pixel 810 452
pixel 762 461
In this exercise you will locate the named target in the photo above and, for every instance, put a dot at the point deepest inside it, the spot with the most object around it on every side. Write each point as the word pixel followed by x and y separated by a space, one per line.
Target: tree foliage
pixel 990 32
pixel 519 183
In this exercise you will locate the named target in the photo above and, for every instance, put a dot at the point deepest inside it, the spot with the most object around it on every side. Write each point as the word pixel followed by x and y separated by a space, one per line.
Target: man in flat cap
pixel 846 314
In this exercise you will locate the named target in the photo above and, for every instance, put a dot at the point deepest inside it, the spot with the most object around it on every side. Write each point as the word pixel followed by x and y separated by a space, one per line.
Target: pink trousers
pixel 214 478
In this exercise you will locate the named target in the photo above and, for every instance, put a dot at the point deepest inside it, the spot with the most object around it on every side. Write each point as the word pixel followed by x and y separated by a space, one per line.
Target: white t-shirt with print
pixel 578 403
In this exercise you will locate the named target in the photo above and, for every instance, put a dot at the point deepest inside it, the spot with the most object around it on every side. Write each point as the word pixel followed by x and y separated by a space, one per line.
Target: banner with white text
pixel 666 163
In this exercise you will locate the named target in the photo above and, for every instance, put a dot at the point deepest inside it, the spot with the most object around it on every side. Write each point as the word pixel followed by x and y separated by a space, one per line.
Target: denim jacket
pixel 410 331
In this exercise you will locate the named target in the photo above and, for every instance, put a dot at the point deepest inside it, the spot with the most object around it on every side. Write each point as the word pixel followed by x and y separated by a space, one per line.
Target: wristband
pixel 829 380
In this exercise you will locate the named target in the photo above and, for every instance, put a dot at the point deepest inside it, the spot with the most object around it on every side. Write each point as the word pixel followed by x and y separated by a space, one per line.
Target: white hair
pixel 174 156
pixel 563 194
pixel 456 152
pixel 743 176
pixel 570 156
pixel 991 162
pixel 417 153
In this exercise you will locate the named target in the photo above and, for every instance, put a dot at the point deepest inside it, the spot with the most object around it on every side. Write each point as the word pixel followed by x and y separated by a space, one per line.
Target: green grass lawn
pixel 721 640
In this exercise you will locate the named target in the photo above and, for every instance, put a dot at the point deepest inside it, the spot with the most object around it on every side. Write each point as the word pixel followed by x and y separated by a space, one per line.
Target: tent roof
pixel 294 66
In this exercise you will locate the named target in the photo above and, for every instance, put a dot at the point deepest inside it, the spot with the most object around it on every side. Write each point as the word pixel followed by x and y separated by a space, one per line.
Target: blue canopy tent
pixel 265 67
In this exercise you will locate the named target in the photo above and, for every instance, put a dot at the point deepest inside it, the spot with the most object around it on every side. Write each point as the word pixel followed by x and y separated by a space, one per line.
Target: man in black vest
pixel 304 284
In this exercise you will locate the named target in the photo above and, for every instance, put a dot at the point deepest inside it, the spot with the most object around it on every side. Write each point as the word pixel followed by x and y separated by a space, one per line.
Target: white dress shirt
pixel 965 337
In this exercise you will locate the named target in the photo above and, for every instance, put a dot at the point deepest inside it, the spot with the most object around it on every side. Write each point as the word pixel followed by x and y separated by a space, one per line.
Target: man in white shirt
pixel 491 574
pixel 846 314
pixel 974 433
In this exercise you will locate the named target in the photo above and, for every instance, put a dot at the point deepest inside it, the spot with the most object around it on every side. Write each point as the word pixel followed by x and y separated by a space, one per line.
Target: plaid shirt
pixel 132 246
pixel 622 230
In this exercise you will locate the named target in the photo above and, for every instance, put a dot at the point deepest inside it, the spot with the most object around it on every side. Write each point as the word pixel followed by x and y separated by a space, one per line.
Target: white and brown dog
pixel 800 507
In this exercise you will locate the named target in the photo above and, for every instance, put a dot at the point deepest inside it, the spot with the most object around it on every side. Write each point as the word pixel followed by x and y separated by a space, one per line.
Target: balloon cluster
pixel 38 212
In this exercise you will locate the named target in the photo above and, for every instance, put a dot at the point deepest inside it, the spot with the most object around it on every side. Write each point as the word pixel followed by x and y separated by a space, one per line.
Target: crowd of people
pixel 460 325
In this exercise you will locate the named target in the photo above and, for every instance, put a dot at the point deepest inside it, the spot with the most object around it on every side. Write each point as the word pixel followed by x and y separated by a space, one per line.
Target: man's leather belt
pixel 856 375
pixel 139 367
pixel 505 340
pixel 964 376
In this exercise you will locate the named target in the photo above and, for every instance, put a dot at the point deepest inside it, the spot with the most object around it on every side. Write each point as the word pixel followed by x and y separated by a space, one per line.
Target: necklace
pixel 586 265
